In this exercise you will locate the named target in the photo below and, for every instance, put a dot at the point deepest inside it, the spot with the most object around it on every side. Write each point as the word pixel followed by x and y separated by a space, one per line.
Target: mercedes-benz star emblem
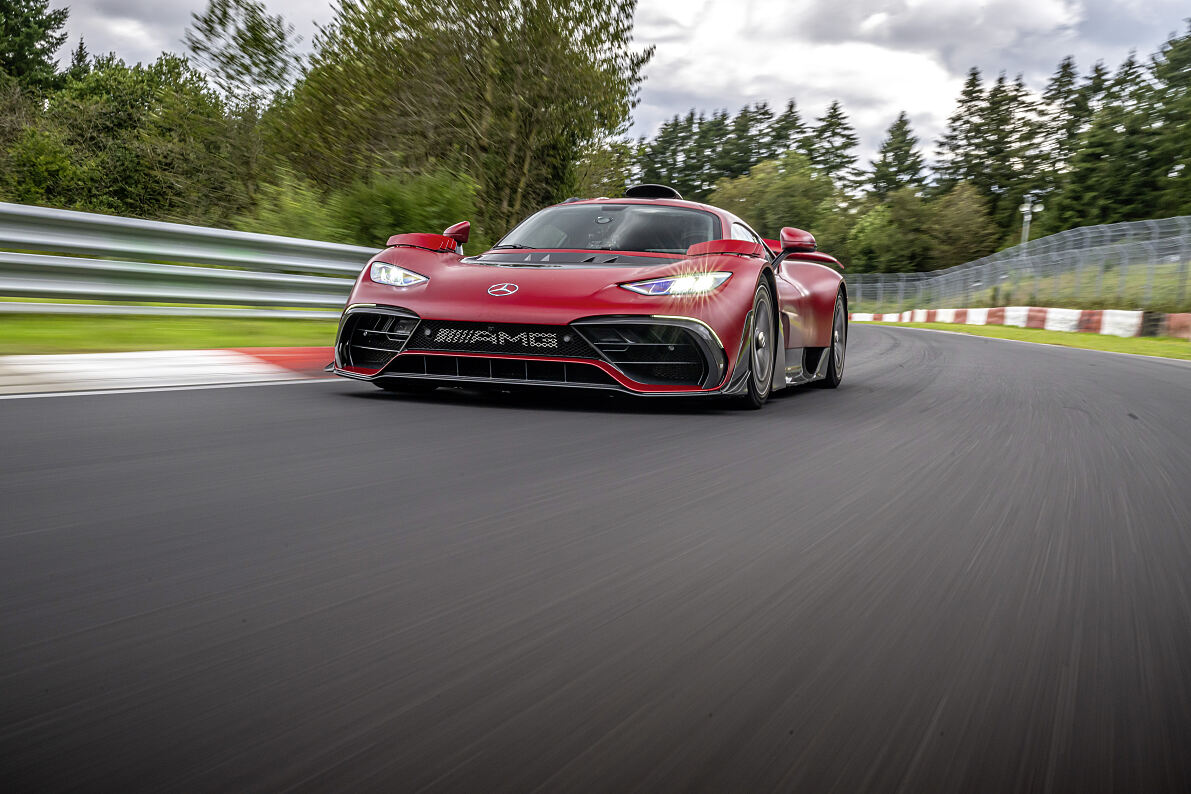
pixel 500 290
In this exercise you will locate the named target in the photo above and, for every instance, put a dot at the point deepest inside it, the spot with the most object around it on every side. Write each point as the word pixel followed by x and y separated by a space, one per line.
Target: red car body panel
pixel 457 290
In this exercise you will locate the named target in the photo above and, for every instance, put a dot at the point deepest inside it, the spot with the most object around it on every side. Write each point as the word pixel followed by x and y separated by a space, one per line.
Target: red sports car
pixel 646 294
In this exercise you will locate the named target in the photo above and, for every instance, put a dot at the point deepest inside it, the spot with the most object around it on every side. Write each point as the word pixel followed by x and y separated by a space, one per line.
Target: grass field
pixel 1164 347
pixel 50 333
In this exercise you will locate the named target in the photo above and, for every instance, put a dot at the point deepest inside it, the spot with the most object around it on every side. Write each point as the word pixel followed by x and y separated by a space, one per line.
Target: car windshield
pixel 615 227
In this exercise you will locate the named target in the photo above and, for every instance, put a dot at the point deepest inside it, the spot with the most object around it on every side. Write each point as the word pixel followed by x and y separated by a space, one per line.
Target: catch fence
pixel 1135 265
pixel 61 261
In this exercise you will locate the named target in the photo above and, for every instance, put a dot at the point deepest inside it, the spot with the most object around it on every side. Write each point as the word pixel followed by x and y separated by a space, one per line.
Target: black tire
pixel 762 350
pixel 406 386
pixel 838 348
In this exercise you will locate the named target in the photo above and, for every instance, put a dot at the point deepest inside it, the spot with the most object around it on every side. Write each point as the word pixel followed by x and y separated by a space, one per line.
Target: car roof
pixel 694 205
pixel 725 217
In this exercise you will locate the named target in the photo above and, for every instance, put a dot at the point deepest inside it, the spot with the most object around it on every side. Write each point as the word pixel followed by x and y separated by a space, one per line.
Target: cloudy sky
pixel 876 56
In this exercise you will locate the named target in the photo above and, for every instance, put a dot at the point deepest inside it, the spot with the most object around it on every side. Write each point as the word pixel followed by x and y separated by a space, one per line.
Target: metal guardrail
pixel 1135 265
pixel 62 256
pixel 58 257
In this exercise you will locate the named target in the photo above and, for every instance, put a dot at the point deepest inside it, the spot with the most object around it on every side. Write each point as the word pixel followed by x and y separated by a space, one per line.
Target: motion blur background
pixel 965 570
pixel 349 123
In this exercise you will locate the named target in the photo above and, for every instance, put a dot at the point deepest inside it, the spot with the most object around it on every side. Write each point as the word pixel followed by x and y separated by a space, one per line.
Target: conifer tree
pixel 899 163
pixel 784 133
pixel 80 62
pixel 959 155
pixel 832 146
pixel 1114 174
pixel 1094 87
pixel 1172 111
pixel 737 148
pixel 29 38
pixel 707 154
pixel 1065 113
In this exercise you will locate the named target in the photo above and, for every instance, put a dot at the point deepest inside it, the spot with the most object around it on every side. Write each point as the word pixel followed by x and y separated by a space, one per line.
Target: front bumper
pixel 638 354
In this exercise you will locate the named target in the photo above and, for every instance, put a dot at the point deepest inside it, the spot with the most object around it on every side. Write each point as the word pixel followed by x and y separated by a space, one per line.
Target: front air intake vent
pixel 370 340
pixel 663 355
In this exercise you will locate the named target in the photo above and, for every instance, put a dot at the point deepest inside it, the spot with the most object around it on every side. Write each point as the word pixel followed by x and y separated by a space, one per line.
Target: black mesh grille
pixel 369 340
pixel 501 369
pixel 665 355
pixel 559 341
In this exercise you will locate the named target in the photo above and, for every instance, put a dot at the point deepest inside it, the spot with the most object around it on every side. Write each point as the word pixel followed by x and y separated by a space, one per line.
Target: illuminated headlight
pixel 689 284
pixel 384 273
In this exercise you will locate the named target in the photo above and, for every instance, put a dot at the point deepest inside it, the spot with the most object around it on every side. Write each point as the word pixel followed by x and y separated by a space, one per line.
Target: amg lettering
pixel 470 336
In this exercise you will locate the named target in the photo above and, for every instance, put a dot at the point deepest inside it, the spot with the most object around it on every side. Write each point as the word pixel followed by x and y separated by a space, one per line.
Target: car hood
pixel 544 292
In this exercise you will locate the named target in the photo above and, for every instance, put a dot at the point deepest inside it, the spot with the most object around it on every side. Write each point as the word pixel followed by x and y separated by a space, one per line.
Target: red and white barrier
pixel 1112 322
pixel 159 368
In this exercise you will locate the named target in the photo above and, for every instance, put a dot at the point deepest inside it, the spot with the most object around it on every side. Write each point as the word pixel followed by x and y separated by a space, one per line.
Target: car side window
pixel 742 232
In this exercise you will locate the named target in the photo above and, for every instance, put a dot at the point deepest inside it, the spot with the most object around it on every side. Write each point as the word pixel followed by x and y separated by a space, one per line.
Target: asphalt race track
pixel 967 570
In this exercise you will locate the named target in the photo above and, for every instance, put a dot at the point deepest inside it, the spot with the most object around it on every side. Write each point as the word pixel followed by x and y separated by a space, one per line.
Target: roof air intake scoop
pixel 652 192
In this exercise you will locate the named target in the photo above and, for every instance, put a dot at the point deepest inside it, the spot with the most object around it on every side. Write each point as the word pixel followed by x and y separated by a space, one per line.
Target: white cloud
pixel 876 56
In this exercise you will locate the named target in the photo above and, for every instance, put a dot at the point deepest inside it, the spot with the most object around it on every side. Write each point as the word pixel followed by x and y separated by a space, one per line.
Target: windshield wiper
pixel 512 245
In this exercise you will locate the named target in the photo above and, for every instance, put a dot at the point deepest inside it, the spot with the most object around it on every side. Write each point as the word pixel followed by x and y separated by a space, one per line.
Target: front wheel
pixel 762 350
pixel 838 348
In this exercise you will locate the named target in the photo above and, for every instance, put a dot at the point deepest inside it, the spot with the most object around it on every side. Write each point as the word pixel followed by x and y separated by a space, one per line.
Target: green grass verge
pixel 1162 346
pixel 53 333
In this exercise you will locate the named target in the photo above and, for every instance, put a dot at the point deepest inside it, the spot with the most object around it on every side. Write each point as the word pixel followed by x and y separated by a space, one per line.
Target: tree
pixel 835 217
pixel 992 143
pixel 29 38
pixel 1116 174
pixel 705 156
pixel 150 141
pixel 1065 113
pixel 1171 102
pixel 786 191
pixel 40 168
pixel 831 146
pixel 80 62
pixel 960 228
pixel 514 101
pixel 1023 172
pixel 738 148
pixel 892 237
pixel 899 163
pixel 658 159
pixel 959 153
pixel 16 113
pixel 247 52
pixel 607 168
pixel 1094 87
pixel 784 133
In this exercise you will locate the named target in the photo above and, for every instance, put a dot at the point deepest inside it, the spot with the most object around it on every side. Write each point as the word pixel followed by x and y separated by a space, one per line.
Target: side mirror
pixel 797 241
pixel 459 232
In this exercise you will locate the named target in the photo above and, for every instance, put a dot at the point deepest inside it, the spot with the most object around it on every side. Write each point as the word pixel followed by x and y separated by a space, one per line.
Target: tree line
pixel 1100 147
pixel 404 116
pixel 409 116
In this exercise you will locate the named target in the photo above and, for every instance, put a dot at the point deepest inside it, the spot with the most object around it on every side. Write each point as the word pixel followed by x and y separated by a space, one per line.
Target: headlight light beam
pixel 685 284
pixel 384 273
